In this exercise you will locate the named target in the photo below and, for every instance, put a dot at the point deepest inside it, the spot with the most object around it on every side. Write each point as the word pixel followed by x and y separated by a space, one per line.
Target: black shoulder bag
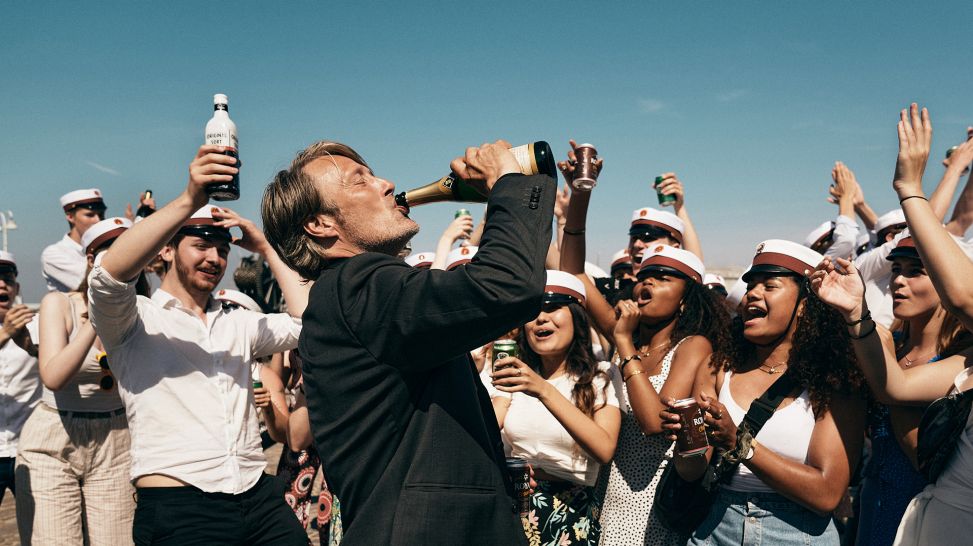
pixel 683 505
pixel 939 430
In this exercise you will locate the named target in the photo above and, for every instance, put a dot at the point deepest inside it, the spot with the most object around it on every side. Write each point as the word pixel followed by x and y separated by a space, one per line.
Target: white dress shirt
pixel 186 383
pixel 845 238
pixel 63 265
pixel 20 390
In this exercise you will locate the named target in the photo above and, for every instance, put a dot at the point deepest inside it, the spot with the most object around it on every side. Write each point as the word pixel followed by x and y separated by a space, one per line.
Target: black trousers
pixel 6 475
pixel 184 516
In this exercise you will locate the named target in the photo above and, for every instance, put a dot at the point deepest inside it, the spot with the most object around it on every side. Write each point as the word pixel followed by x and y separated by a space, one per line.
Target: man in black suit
pixel 407 435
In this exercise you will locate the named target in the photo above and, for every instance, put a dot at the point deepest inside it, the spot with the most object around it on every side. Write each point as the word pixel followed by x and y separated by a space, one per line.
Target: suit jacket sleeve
pixel 416 319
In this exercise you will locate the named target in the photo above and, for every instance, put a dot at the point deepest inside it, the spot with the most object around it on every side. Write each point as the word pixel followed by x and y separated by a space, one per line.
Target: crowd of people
pixel 138 401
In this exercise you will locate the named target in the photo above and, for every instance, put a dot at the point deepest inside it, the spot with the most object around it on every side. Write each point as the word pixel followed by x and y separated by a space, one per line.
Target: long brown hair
pixel 581 363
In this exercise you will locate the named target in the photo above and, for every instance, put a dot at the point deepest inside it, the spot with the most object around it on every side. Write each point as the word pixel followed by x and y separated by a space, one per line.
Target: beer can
pixel 691 439
pixel 503 348
pixel 950 151
pixel 663 199
pixel 258 384
pixel 461 212
pixel 519 472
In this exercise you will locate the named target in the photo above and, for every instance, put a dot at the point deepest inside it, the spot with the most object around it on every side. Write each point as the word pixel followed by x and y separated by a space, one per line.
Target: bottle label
pixel 525 156
pixel 222 138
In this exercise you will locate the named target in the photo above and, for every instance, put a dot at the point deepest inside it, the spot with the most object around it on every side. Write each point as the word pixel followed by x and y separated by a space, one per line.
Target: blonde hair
pixel 290 199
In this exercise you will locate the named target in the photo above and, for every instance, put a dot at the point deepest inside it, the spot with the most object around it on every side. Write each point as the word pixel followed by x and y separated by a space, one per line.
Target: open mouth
pixel 753 312
pixel 543 333
pixel 4 298
pixel 899 297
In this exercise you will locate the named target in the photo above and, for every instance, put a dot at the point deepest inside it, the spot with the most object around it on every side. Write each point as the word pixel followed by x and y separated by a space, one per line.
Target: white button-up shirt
pixel 63 265
pixel 186 383
pixel 20 390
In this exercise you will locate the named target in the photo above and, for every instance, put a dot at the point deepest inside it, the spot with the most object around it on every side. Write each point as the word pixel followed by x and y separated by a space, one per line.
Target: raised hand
pixel 513 375
pixel 459 228
pixel 626 319
pixel 567 167
pixel 962 156
pixel 16 319
pixel 671 185
pixel 488 162
pixel 253 238
pixel 915 135
pixel 841 288
pixel 210 166
pixel 845 183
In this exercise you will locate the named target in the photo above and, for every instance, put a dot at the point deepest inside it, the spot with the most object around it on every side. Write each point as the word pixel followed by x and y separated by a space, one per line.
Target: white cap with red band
pixel 888 220
pixel 672 258
pixel 89 198
pixel 420 259
pixel 562 287
pixel 819 233
pixel 648 217
pixel 103 232
pixel 238 298
pixel 7 259
pixel 460 256
pixel 780 256
pixel 621 259
pixel 203 224
pixel 710 279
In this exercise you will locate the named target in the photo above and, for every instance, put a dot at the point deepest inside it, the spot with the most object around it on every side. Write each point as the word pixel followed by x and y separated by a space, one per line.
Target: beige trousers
pixel 73 480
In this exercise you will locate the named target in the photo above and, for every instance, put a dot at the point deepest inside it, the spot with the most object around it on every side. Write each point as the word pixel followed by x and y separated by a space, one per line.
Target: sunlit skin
pixel 8 291
pixel 199 263
pixel 81 219
pixel 637 244
pixel 370 220
pixel 768 306
pixel 913 294
pixel 658 297
pixel 551 333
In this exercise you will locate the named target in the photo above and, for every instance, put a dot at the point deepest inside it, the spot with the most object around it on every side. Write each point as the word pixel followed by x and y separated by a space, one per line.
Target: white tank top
pixel 787 433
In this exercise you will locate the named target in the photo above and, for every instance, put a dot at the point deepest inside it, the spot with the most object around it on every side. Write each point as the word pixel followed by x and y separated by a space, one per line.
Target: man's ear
pixel 168 253
pixel 321 226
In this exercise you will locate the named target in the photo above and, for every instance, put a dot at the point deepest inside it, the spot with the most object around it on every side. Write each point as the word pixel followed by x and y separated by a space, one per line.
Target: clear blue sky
pixel 750 103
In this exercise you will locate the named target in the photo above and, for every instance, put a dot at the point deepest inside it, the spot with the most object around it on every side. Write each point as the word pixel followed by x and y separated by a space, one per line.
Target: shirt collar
pixel 168 301
pixel 74 244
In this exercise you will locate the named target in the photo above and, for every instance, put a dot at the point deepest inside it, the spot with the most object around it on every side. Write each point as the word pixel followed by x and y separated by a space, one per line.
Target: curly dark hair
pixel 701 314
pixel 581 363
pixel 821 353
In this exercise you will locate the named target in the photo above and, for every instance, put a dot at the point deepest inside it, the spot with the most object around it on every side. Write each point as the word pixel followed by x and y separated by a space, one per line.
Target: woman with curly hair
pixel 557 409
pixel 796 470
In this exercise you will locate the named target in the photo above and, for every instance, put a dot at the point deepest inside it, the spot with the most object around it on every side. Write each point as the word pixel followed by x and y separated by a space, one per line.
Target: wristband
pixel 631 375
pixel 912 197
pixel 625 361
pixel 573 231
pixel 864 317
pixel 865 334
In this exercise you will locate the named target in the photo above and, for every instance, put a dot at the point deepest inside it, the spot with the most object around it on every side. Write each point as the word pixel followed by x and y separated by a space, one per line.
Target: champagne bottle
pixel 534 158
pixel 145 210
pixel 221 131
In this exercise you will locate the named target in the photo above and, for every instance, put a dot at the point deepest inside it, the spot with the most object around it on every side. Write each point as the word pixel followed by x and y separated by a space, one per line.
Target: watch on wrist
pixel 751 451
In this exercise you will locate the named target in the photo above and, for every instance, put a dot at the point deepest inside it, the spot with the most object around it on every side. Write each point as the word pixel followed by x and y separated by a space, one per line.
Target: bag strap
pixel 763 408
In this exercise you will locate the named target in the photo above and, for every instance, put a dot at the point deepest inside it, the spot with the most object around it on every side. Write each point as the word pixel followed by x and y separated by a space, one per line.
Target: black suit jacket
pixel 406 432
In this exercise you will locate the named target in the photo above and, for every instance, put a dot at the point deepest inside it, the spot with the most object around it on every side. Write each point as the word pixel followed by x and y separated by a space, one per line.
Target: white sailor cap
pixel 594 271
pixel 780 256
pixel 88 198
pixel 103 233
pixel 235 297
pixel 563 288
pixel 621 260
pixel 669 259
pixel 646 219
pixel 819 234
pixel 460 256
pixel 711 278
pixel 7 261
pixel 735 294
pixel 203 224
pixel 421 260
pixel 889 219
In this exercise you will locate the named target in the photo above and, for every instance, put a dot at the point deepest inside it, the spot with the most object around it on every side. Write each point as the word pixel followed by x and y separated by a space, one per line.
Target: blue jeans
pixel 752 519
pixel 6 475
